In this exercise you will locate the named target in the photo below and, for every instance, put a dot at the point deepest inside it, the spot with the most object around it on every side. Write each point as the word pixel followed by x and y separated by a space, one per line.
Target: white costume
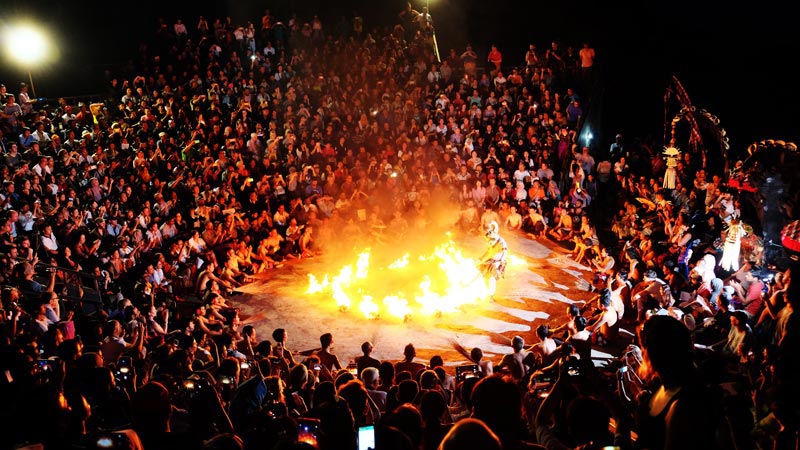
pixel 732 247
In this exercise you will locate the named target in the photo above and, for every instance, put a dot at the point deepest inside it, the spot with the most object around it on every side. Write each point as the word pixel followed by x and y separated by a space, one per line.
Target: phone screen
pixel 467 371
pixel 366 437
pixel 308 431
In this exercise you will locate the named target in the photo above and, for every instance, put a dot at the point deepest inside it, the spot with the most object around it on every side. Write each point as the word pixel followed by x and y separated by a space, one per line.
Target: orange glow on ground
pixel 430 283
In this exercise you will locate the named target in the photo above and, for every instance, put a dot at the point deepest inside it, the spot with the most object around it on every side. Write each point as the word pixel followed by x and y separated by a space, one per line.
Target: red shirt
pixel 495 57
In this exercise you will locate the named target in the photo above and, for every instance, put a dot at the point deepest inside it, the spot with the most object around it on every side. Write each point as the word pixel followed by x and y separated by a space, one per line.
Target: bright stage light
pixel 26 44
pixel 588 136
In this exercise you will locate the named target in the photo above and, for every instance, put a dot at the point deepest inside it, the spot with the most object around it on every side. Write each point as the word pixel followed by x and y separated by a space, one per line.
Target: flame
pixel 400 263
pixel 515 261
pixel 362 266
pixel 397 306
pixel 314 286
pixel 368 307
pixel 442 281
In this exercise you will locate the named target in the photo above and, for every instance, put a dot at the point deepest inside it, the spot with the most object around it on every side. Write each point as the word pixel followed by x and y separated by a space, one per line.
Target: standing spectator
pixel 25 101
pixel 587 56
pixel 11 113
pixel 554 59
pixel 531 58
pixel 574 114
pixel 180 31
pixel 469 60
pixel 495 58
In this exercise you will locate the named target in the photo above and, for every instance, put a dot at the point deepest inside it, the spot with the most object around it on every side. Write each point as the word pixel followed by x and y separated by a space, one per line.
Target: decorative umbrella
pixel 646 202
pixel 790 236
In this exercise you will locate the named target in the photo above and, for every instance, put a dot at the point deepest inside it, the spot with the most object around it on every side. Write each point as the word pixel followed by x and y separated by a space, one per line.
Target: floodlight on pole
pixel 429 22
pixel 27 46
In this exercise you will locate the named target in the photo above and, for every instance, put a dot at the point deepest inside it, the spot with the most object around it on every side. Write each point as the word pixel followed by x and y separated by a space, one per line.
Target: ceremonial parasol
pixel 790 236
pixel 646 202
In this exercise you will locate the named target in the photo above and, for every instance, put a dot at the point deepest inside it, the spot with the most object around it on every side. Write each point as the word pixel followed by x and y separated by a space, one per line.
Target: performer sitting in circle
pixel 493 261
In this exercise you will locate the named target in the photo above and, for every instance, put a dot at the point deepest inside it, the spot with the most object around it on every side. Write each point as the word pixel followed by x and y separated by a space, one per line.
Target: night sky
pixel 735 61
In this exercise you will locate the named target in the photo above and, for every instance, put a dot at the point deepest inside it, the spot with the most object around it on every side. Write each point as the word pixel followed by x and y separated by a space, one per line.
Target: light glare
pixel 26 44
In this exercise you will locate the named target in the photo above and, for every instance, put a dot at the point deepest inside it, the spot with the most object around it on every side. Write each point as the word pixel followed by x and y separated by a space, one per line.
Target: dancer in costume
pixel 493 261
pixel 732 246
pixel 671 175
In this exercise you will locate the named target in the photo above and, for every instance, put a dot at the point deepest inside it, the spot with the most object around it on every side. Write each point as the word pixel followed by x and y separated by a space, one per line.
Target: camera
pixel 123 374
pixel 44 365
pixel 352 368
pixel 467 371
pixel 571 366
pixel 194 384
pixel 275 410
pixel 366 437
pixel 111 440
pixel 308 431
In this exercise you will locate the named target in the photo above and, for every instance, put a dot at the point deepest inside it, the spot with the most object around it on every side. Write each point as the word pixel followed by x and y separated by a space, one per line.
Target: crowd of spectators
pixel 226 152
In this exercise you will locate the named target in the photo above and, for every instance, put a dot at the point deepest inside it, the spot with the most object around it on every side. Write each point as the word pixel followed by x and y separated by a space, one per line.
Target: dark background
pixel 734 60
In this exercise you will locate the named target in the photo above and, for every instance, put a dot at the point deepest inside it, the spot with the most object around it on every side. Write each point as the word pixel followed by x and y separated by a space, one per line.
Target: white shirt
pixel 168 231
pixel 24 102
pixel 197 245
pixel 44 137
pixel 154 236
pixel 157 277
pixel 50 242
pixel 26 221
